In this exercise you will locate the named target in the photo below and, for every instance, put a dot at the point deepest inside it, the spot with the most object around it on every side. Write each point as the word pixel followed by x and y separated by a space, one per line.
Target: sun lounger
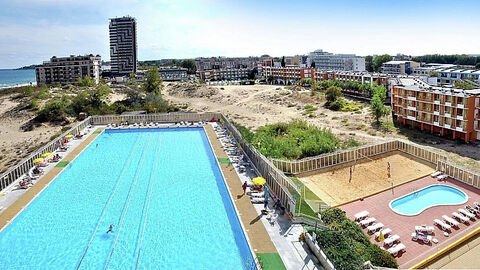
pixel 396 249
pixel 450 220
pixel 466 213
pixel 361 215
pixel 425 238
pixel 435 174
pixel 42 164
pixel 367 221
pixel 424 228
pixel 257 194
pixel 375 227
pixel 258 200
pixel 442 224
pixel 477 205
pixel 463 219
pixel 471 209
pixel 392 239
pixel 442 177
pixel 385 232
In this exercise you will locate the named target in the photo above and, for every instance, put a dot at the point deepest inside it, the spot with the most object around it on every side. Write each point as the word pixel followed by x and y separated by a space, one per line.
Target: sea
pixel 16 77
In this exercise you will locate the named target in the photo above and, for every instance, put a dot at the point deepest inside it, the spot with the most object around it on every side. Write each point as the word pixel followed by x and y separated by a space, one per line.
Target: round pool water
pixel 416 202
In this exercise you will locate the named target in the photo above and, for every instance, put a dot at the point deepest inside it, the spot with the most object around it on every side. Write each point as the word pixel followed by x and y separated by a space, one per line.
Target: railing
pixel 459 173
pixel 353 154
pixel 165 117
pixel 333 159
pixel 26 164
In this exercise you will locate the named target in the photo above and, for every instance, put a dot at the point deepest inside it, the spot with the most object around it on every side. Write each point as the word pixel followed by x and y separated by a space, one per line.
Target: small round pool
pixel 416 202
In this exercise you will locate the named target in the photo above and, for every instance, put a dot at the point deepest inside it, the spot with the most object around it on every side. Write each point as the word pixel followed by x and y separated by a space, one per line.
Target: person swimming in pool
pixel 110 229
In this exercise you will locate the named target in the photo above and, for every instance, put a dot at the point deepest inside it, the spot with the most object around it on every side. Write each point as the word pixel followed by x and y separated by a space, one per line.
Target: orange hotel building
pixel 445 111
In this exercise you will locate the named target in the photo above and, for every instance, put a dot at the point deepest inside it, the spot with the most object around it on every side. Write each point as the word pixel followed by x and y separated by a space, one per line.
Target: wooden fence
pixel 353 154
pixel 460 174
pixel 26 164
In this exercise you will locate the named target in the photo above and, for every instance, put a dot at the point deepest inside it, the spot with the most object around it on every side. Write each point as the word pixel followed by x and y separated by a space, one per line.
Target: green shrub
pixel 33 104
pixel 53 111
pixel 86 81
pixel 333 93
pixel 386 126
pixel 337 104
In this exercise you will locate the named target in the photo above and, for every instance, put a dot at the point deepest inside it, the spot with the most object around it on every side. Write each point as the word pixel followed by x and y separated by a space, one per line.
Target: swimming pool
pixel 416 202
pixel 160 188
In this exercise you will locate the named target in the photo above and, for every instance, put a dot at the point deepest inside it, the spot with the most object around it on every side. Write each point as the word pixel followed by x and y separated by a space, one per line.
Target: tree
pixel 369 63
pixel 252 73
pixel 283 61
pixel 132 75
pixel 87 81
pixel 379 60
pixel 190 65
pixel 312 65
pixel 378 108
pixel 333 93
pixel 153 83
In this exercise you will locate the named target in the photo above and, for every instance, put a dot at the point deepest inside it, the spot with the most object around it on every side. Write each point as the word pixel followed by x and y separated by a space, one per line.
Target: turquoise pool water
pixel 416 202
pixel 160 188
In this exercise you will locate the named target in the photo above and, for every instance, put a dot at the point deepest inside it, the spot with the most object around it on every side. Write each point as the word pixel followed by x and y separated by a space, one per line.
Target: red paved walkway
pixel 378 207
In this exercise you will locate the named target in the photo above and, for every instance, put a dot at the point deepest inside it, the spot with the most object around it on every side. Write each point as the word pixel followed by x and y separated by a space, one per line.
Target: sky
pixel 32 31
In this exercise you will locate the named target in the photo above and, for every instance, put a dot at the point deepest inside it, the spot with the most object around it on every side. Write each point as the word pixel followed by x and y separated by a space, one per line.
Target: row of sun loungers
pixel 156 124
pixel 420 236
pixel 377 228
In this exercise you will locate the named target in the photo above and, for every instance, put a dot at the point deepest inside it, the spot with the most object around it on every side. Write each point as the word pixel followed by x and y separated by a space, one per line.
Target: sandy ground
pixel 15 143
pixel 257 105
pixel 334 187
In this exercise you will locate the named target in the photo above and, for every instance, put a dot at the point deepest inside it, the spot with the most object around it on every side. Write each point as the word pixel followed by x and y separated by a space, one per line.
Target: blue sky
pixel 34 30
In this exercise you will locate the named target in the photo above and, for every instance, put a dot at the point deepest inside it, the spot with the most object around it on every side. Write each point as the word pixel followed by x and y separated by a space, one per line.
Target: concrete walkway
pixel 29 194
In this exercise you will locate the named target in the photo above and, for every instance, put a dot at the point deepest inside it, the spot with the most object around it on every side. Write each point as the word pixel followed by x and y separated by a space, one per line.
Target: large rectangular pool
pixel 162 191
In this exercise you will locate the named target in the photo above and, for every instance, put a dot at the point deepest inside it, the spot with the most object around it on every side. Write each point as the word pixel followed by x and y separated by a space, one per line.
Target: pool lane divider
pixel 32 192
pixel 254 230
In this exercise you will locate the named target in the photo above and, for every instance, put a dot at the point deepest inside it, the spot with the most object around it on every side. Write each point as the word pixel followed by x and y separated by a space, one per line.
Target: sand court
pixel 369 175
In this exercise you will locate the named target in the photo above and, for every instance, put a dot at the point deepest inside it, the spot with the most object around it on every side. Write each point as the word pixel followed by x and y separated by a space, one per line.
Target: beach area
pixel 17 78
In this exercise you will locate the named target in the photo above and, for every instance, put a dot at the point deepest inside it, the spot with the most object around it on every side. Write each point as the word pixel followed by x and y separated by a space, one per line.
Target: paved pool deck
pixel 416 251
pixel 29 194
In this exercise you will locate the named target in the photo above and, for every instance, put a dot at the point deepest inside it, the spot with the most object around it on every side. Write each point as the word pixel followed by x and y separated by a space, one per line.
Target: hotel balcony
pixel 448 115
pixel 411 108
pixel 447 126
pixel 436 113
pixel 459 129
pixel 411 98
pixel 411 117
pixel 460 106
pixel 459 117
pixel 448 104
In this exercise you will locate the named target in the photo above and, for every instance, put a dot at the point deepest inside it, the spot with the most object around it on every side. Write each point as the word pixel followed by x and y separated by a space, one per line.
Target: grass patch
pixel 97 132
pixel 62 164
pixel 270 261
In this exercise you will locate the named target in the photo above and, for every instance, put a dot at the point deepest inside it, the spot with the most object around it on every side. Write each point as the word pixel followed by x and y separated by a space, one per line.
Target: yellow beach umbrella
pixel 37 160
pixel 47 154
pixel 381 237
pixel 69 136
pixel 260 181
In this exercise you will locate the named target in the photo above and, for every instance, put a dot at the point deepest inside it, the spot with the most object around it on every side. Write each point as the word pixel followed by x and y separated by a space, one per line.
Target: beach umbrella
pixel 37 160
pixel 69 136
pixel 47 154
pixel 260 181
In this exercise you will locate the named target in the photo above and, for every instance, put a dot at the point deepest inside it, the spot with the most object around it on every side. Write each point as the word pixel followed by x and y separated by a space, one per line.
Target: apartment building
pixel 224 74
pixel 329 61
pixel 123 45
pixel 287 75
pixel 173 74
pixel 67 70
pixel 448 112
pixel 399 67
pixel 229 62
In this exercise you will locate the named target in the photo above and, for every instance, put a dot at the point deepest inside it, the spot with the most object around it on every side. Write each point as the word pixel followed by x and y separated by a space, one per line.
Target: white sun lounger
pixel 375 227
pixel 466 213
pixel 425 238
pixel 442 177
pixel 477 205
pixel 450 220
pixel 424 228
pixel 394 250
pixel 463 219
pixel 435 174
pixel 392 239
pixel 385 232
pixel 361 215
pixel 442 224
pixel 258 200
pixel 367 221
pixel 257 194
